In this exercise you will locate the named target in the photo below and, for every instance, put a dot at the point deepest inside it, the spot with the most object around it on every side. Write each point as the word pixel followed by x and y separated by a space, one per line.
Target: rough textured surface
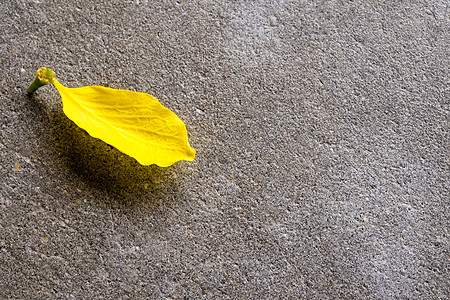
pixel 322 131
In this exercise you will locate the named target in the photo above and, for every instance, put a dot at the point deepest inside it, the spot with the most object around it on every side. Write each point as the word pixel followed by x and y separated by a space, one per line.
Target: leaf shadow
pixel 116 180
pixel 100 165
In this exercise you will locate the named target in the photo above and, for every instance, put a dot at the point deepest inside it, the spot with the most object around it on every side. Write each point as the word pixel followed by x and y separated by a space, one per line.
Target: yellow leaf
pixel 135 123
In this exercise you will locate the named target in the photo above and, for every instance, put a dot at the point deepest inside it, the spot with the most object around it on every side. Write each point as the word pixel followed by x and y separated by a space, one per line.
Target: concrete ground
pixel 322 138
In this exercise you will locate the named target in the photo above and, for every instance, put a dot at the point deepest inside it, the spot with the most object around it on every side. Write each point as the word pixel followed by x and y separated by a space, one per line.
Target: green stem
pixel 43 76
pixel 34 86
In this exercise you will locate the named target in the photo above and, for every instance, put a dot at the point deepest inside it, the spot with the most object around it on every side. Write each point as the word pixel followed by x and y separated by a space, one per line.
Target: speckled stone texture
pixel 322 133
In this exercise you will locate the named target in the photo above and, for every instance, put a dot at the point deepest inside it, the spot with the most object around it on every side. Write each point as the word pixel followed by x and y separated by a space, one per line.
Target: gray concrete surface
pixel 322 132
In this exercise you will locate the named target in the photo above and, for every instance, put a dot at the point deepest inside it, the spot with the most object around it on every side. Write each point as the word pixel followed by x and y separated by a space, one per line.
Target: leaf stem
pixel 43 76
